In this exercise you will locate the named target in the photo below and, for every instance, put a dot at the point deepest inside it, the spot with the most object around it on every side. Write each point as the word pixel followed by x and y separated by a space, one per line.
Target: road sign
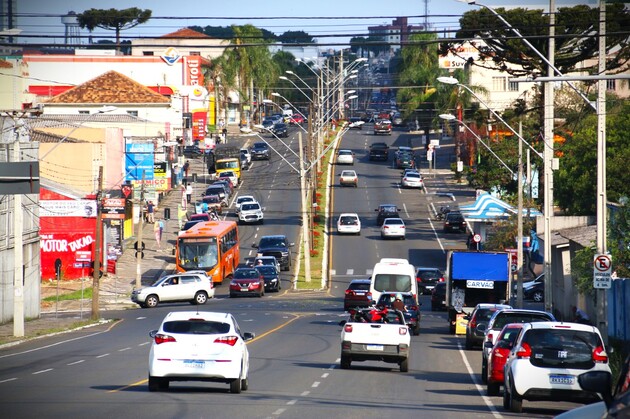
pixel 602 271
pixel 477 238
pixel 139 247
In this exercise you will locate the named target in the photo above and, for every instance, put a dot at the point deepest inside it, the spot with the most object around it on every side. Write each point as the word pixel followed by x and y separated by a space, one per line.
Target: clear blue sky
pixel 44 16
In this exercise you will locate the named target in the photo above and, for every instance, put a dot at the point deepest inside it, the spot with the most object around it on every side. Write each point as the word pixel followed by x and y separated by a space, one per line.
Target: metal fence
pixel 619 309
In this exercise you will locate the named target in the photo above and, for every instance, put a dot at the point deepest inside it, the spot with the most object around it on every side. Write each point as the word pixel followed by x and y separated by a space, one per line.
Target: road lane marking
pixel 305 393
pixel 8 380
pixel 102 356
pixel 278 412
pixel 316 384
pixel 124 349
pixel 76 362
pixel 143 344
pixel 473 377
pixel 42 371
pixel 324 375
pixel 292 402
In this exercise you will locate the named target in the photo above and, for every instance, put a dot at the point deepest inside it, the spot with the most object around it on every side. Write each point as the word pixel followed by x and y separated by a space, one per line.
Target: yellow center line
pixel 288 322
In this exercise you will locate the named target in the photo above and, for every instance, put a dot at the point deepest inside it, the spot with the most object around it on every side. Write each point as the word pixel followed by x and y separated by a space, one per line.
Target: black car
pixel 260 151
pixel 386 211
pixel 218 190
pixel 535 292
pixel 454 221
pixel 379 151
pixel 427 278
pixel 280 130
pixel 412 315
pixel 278 246
pixel 405 161
pixel 271 276
pixel 192 151
pixel 480 315
pixel 358 294
pixel 438 297
pixel 189 224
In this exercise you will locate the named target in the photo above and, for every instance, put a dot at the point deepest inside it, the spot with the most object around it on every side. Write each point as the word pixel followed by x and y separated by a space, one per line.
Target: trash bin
pixel 194 177
pixel 167 213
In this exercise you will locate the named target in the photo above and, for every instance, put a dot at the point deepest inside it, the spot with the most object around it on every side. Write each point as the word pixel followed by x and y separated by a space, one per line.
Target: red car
pixel 358 294
pixel 498 356
pixel 247 281
pixel 296 119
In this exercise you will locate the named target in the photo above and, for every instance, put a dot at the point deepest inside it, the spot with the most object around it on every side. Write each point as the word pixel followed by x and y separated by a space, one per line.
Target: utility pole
pixel 341 103
pixel 97 249
pixel 18 253
pixel 139 246
pixel 519 236
pixel 305 223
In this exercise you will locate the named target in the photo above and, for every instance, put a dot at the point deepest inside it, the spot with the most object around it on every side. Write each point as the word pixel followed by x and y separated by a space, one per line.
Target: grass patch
pixel 74 295
pixel 319 221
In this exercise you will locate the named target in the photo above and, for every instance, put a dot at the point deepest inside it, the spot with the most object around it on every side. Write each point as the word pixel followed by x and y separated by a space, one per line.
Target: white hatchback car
pixel 345 157
pixel 199 346
pixel 393 227
pixel 195 288
pixel 349 223
pixel 546 360
pixel 412 180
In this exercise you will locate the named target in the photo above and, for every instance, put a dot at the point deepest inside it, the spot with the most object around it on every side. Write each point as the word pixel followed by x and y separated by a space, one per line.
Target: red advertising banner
pixel 200 121
pixel 193 76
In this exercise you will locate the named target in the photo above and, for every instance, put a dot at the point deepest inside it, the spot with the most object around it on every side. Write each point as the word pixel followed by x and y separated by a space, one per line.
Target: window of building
pixel 512 86
pixel 499 84
pixel 84 112
pixel 611 84
pixel 147 53
pixel 195 53
pixel 132 113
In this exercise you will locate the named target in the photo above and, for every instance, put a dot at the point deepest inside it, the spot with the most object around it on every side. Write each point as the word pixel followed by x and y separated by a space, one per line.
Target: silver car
pixel 251 212
pixel 195 288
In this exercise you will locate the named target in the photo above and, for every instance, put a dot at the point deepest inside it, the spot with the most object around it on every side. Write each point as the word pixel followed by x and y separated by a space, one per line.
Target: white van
pixel 393 275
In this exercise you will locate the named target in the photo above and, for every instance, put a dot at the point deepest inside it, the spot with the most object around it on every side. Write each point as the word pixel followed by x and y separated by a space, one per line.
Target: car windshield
pixel 246 274
pixel 348 220
pixel 260 146
pixel 347 173
pixel 413 175
pixel 242 199
pixel 391 209
pixel 267 242
pixel 562 348
pixel 428 274
pixel 345 152
pixel 196 327
pixel 249 207
pixel 213 199
pixel 504 318
pixel 266 270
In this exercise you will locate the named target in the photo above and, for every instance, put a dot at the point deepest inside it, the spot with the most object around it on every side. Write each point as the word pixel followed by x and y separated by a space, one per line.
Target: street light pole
pixel 305 209
pixel 96 275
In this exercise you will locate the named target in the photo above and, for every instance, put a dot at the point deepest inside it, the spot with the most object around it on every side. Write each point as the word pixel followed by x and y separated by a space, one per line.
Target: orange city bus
pixel 212 246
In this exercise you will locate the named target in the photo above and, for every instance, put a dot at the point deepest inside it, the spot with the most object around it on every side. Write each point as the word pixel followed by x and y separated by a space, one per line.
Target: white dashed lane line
pixel 43 371
pixel 8 380
pixel 76 362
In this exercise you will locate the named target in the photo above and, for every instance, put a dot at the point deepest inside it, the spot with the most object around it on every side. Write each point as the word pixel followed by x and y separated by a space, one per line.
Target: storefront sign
pixel 68 208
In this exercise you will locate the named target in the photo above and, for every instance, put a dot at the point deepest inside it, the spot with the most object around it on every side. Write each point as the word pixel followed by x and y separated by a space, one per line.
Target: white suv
pixel 546 360
pixel 193 287
pixel 199 346
pixel 250 212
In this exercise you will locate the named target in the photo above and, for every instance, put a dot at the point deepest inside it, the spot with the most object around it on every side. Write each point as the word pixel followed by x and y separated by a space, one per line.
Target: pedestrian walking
pixel 189 191
pixel 186 168
pixel 184 201
pixel 157 231
pixel 181 216
pixel 150 212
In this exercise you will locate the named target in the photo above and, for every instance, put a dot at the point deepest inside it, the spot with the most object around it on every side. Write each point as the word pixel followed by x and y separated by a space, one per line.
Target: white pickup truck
pixel 364 338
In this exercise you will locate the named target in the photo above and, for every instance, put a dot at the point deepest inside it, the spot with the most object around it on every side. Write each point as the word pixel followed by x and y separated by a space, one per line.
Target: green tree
pixel 575 186
pixel 113 19
pixel 296 37
pixel 576 38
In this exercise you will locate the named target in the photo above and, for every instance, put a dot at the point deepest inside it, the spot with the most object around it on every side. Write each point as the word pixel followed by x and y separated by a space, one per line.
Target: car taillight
pixel 159 338
pixel 403 330
pixel 473 325
pixel 524 351
pixel 385 226
pixel 369 295
pixel 349 292
pixel 600 355
pixel 347 328
pixel 441 279
pixel 229 340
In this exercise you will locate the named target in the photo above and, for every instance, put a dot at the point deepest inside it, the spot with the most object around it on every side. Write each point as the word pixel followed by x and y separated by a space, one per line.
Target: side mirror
pixel 255 246
pixel 248 336
pixel 152 334
pixel 596 381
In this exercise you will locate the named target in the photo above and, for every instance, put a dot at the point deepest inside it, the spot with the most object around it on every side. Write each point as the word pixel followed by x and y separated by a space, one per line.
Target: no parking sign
pixel 602 271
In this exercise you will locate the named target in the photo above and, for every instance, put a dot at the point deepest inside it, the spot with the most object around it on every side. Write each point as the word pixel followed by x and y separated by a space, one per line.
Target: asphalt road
pixel 101 372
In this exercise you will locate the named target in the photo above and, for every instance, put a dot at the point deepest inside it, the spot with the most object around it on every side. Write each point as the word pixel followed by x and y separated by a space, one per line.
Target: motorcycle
pixel 214 216
pixel 441 214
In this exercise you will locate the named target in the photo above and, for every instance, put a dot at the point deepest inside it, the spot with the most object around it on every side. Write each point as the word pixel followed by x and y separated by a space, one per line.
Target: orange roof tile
pixel 5 64
pixel 110 87
pixel 185 33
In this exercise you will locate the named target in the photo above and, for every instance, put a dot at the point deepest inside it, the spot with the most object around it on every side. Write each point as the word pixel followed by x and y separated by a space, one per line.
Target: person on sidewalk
pixel 186 168
pixel 157 231
pixel 184 201
pixel 181 216
pixel 189 192
pixel 150 212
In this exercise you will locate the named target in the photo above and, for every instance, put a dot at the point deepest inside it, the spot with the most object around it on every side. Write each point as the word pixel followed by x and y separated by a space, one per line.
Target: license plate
pixel 561 379
pixel 244 289
pixel 193 364
pixel 374 347
pixel 360 293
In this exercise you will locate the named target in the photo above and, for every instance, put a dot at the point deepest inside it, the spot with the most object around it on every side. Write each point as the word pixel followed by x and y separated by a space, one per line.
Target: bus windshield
pixel 198 253
pixel 393 282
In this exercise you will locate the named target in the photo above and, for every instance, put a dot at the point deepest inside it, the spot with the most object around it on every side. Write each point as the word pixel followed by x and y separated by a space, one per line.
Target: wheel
pixel 244 384
pixel 538 296
pixel 469 344
pixel 235 386
pixel 404 365
pixel 345 362
pixel 484 371
pixel 262 221
pixel 158 384
pixel 506 400
pixel 201 298
pixel 493 389
pixel 152 301
pixel 515 403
